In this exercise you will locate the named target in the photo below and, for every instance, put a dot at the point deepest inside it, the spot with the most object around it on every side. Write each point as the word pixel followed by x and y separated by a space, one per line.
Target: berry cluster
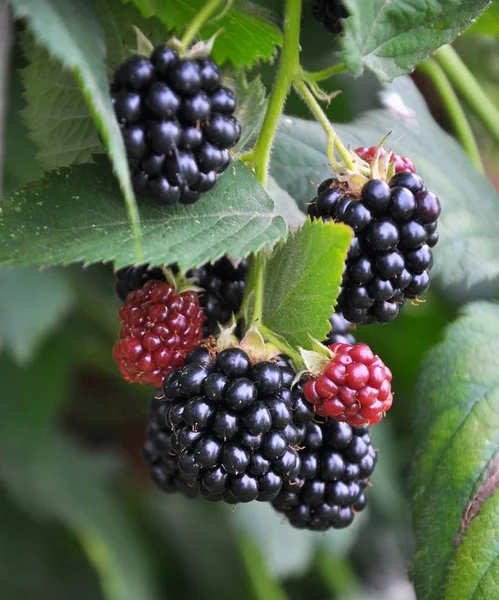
pixel 177 124
pixel 228 428
pixel 340 331
pixel 159 328
pixel 337 461
pixel 330 13
pixel 223 283
pixel 355 386
pixel 401 162
pixel 390 257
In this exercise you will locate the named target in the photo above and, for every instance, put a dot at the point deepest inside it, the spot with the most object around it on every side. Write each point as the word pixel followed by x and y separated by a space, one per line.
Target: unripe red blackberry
pixel 159 328
pixel 353 386
pixel 236 425
pixel 330 13
pixel 177 122
pixel 337 461
pixel 401 162
pixel 223 282
pixel 390 257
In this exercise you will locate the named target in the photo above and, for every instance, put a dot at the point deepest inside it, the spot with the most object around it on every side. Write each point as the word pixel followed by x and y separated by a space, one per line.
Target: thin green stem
pixel 434 71
pixel 333 139
pixel 281 345
pixel 288 66
pixel 258 288
pixel 199 20
pixel 324 73
pixel 469 88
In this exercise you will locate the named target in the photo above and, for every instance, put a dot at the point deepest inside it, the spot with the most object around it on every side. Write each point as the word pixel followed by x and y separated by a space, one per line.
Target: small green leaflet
pixel 76 215
pixel 391 37
pixel 246 36
pixel 302 282
pixel 456 472
pixel 69 31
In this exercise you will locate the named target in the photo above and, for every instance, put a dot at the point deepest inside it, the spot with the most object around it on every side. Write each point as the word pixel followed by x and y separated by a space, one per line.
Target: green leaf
pixel 76 215
pixel 488 23
pixel 456 468
pixel 285 205
pixel 247 36
pixel 469 235
pixel 302 282
pixel 391 38
pixel 32 303
pixel 70 32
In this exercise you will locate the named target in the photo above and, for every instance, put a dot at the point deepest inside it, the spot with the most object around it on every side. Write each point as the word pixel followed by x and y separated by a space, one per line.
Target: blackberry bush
pixel 390 257
pixel 177 121
pixel 223 283
pixel 233 426
pixel 337 461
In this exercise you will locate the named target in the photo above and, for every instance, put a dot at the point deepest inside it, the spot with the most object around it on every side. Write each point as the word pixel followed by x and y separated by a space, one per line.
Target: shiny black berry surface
pixel 390 257
pixel 177 122
pixel 330 13
pixel 226 428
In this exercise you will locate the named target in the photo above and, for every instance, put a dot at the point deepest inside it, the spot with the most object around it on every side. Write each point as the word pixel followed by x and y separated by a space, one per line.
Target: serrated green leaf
pixel 23 322
pixel 70 32
pixel 76 215
pixel 247 35
pixel 468 250
pixel 457 436
pixel 391 38
pixel 285 205
pixel 302 282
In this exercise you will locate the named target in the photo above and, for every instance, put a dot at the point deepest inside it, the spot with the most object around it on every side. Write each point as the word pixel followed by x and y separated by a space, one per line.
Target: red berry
pixel 355 386
pixel 159 327
pixel 401 163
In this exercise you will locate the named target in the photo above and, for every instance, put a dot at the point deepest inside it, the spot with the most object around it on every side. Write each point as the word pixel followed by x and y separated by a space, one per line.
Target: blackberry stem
pixel 324 73
pixel 281 345
pixel 199 20
pixel 434 71
pixel 288 67
pixel 469 88
pixel 333 139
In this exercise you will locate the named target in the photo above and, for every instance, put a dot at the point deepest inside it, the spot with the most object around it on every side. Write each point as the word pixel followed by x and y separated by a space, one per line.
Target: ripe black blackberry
pixel 177 124
pixel 340 331
pixel 223 281
pixel 337 461
pixel 330 13
pixel 390 257
pixel 235 425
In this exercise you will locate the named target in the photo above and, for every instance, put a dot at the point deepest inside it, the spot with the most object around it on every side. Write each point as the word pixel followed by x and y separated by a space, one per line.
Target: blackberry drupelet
pixel 390 257
pixel 337 461
pixel 177 124
pixel 223 283
pixel 159 328
pixel 236 425
pixel 401 162
pixel 330 13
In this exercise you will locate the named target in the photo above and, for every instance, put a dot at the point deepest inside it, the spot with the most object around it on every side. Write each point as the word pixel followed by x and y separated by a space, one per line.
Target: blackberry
pixel 159 327
pixel 223 283
pixel 340 331
pixel 330 13
pixel 390 257
pixel 335 470
pixel 177 123
pixel 226 425
pixel 354 386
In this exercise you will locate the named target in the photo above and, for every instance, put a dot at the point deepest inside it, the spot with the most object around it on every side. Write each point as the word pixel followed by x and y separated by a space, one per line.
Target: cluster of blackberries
pixel 228 429
pixel 340 331
pixel 177 124
pixel 337 461
pixel 223 283
pixel 330 13
pixel 390 257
